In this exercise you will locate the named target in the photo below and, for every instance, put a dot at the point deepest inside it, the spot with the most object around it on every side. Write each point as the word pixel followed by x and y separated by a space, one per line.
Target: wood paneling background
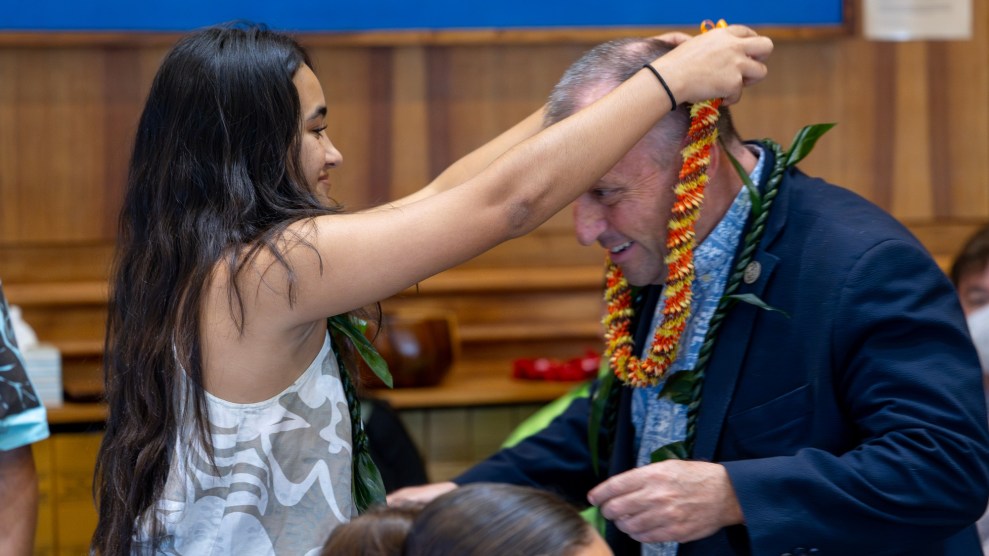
pixel 912 134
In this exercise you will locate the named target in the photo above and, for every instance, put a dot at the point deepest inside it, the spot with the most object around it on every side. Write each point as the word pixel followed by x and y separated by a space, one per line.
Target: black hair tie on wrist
pixel 673 100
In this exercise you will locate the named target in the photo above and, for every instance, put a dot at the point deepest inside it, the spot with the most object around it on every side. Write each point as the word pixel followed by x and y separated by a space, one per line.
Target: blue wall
pixel 364 15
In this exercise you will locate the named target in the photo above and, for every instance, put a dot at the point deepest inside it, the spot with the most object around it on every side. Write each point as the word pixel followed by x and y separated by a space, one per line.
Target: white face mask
pixel 978 325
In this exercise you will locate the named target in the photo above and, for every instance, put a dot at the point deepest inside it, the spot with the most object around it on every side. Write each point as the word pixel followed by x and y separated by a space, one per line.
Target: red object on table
pixel 544 368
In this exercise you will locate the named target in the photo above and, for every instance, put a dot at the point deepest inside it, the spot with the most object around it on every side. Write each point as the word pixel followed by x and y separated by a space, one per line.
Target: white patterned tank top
pixel 282 479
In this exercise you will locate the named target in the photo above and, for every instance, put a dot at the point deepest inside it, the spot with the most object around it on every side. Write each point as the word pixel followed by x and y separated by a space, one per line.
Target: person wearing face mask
pixel 970 271
pixel 970 274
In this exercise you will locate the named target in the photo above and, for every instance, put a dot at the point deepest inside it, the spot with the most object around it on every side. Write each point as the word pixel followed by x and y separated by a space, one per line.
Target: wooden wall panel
pixel 913 131
pixel 409 122
pixel 913 118
pixel 344 74
pixel 53 190
pixel 912 136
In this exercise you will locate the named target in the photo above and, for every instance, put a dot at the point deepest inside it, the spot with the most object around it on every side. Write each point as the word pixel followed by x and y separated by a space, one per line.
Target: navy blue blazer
pixel 854 424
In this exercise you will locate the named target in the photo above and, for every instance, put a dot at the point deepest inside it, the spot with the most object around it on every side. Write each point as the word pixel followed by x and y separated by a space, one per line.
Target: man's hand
pixel 422 494
pixel 669 501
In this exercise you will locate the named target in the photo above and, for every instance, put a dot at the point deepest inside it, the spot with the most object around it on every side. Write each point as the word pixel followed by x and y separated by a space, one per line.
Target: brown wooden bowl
pixel 419 347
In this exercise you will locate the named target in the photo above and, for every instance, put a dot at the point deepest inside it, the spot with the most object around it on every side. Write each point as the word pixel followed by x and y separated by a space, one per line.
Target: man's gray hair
pixel 608 65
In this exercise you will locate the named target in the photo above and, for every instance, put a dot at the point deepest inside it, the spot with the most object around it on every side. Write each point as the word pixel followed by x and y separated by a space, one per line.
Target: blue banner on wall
pixel 382 15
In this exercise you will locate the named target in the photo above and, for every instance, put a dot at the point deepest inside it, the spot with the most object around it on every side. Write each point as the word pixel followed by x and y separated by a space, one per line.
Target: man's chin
pixel 640 279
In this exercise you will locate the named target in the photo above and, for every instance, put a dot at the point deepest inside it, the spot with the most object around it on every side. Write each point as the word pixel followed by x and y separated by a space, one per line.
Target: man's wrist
pixel 732 514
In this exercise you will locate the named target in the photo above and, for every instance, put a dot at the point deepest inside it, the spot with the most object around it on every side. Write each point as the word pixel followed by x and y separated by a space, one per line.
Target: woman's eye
pixel 319 130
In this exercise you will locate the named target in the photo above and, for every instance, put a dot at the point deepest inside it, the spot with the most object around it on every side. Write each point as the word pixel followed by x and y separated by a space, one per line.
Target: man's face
pixel 973 290
pixel 626 212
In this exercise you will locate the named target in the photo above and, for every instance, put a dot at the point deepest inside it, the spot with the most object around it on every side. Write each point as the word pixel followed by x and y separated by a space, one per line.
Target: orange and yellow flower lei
pixel 680 242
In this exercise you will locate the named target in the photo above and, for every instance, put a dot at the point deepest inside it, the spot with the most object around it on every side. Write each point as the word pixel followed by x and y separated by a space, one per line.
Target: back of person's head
pixel 968 271
pixel 379 532
pixel 485 518
pixel 607 65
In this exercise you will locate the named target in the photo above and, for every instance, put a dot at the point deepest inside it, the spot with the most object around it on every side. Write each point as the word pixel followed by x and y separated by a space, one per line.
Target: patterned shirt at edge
pixel 23 419
pixel 659 422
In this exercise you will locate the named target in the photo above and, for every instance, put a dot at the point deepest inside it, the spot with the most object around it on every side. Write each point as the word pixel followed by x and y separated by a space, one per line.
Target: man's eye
pixel 606 196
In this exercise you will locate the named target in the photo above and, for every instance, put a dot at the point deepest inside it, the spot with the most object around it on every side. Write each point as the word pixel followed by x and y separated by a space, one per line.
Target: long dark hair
pixel 213 177
pixel 379 532
pixel 494 518
pixel 973 257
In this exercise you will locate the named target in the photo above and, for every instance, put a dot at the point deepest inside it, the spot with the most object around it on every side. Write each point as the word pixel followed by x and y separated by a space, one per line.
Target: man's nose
pixel 588 221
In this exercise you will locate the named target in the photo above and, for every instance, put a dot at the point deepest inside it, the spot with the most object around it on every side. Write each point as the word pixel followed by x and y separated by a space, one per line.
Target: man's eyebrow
pixel 319 112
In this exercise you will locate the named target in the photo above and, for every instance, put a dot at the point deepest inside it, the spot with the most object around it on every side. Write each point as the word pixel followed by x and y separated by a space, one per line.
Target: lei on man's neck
pixel 684 387
pixel 680 243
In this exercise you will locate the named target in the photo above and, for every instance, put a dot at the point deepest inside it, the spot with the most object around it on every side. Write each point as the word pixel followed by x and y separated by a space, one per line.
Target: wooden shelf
pixel 499 280
pixel 469 390
pixel 79 348
pixel 475 383
pixel 38 294
pixel 529 331
pixel 71 412
pixel 481 385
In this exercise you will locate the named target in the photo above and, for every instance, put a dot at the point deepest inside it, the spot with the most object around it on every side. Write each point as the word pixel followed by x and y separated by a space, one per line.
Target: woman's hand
pixel 716 64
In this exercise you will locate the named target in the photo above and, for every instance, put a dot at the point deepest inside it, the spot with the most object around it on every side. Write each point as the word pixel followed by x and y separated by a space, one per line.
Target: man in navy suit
pixel 841 410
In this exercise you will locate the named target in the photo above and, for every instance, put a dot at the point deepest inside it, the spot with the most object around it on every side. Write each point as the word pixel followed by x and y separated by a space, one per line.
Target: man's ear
pixel 716 155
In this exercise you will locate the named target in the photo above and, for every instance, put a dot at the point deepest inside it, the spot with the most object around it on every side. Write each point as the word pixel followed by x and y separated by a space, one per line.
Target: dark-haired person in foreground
pixel 485 518
pixel 841 408
pixel 480 519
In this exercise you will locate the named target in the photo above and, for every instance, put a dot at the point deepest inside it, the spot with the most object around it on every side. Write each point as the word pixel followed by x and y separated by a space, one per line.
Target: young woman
pixel 229 427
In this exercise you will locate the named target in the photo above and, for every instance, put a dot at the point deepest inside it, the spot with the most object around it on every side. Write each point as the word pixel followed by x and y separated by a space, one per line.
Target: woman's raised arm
pixel 364 257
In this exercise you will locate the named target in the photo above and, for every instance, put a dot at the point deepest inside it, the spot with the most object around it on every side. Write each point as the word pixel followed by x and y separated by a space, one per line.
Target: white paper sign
pixel 908 20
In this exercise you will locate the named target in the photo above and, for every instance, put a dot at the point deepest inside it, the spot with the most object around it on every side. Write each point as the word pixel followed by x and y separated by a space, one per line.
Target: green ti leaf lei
pixel 367 488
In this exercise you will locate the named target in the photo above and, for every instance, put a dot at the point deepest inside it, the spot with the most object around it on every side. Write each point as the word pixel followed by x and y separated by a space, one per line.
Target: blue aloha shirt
pixel 657 421
pixel 23 419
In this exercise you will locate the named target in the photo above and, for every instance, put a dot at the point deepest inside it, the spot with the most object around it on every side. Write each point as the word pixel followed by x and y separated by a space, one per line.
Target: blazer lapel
pixel 736 333
pixel 725 364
